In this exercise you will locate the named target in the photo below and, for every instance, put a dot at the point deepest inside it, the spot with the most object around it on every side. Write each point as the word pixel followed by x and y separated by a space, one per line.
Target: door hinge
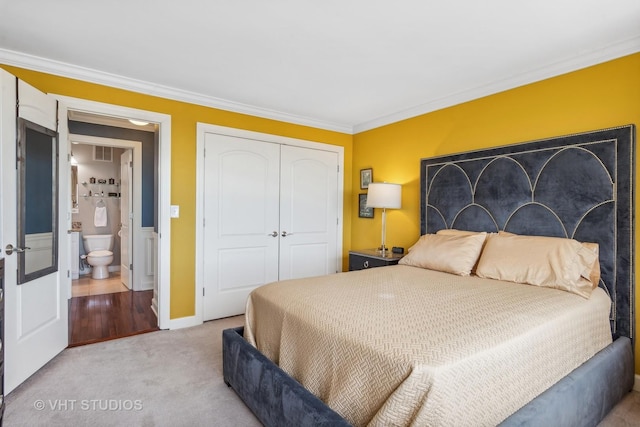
pixel 68 274
pixel 202 291
pixel 130 164
pixel 131 267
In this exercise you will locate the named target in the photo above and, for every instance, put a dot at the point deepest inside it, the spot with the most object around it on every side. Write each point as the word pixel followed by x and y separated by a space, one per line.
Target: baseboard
pixel 636 383
pixel 184 322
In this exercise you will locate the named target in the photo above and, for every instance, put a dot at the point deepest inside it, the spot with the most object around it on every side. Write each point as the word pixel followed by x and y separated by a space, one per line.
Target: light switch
pixel 175 211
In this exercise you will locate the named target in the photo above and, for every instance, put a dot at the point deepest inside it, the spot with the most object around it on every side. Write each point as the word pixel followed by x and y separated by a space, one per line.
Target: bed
pixel 577 186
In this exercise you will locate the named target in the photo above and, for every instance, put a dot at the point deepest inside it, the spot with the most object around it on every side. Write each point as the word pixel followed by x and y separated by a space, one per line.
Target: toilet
pixel 99 255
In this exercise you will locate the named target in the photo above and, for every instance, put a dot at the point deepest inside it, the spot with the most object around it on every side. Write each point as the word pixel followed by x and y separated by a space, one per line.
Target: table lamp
pixel 386 196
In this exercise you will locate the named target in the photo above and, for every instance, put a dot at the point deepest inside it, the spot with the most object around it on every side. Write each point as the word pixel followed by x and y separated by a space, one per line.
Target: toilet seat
pixel 100 253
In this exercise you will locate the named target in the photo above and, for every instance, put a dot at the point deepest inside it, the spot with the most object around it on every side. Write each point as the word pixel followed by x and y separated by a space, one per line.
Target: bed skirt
pixel 583 398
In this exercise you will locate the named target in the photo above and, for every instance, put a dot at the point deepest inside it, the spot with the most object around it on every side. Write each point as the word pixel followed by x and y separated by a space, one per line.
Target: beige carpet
pixel 164 378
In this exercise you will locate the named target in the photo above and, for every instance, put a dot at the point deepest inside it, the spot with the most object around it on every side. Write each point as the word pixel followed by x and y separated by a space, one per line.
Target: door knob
pixel 274 234
pixel 10 249
pixel 285 234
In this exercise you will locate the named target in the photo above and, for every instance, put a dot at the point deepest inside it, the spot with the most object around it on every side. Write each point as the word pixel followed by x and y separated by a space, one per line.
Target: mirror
pixel 74 188
pixel 37 201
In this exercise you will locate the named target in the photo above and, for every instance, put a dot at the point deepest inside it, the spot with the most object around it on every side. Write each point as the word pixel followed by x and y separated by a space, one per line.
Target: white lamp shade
pixel 384 195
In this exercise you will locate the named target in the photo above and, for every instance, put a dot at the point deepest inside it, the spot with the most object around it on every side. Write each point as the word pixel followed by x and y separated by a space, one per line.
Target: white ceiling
pixel 345 65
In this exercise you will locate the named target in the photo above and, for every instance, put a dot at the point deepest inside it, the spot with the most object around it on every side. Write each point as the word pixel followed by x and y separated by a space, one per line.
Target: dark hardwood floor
pixel 105 317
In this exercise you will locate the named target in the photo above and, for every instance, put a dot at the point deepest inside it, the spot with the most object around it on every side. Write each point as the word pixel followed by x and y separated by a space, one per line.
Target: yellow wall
pixel 605 95
pixel 601 96
pixel 184 117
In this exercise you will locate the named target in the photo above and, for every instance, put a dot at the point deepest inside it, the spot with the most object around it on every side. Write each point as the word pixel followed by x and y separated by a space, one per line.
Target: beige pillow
pixel 455 232
pixel 542 261
pixel 449 231
pixel 594 270
pixel 456 254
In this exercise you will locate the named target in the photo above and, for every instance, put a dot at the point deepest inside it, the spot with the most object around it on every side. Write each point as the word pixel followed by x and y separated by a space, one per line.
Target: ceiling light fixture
pixel 138 122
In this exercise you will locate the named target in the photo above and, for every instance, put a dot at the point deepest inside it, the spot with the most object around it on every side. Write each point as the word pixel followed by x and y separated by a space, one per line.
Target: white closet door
pixel 241 221
pixel 308 212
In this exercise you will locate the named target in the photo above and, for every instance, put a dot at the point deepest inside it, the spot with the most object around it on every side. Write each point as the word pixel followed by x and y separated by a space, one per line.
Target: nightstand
pixel 369 258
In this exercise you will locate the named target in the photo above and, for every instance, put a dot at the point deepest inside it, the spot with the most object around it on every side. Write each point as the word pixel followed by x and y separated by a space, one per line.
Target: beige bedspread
pixel 406 346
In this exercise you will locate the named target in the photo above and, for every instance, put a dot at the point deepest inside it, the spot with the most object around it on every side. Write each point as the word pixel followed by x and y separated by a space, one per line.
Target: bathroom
pixel 97 207
pixel 112 137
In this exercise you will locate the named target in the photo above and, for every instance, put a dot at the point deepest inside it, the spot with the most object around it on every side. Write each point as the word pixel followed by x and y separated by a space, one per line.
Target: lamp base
pixel 383 250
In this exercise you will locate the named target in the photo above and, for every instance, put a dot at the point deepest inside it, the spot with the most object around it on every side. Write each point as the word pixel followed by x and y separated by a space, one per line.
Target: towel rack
pixel 100 203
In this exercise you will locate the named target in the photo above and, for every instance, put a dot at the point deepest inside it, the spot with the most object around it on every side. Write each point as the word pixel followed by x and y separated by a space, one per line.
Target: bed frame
pixel 578 186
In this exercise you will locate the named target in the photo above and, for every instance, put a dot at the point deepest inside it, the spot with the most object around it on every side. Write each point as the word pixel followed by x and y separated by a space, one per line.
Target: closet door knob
pixel 285 234
pixel 274 234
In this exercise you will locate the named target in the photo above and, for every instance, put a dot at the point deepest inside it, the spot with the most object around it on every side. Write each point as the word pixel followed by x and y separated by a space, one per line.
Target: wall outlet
pixel 175 211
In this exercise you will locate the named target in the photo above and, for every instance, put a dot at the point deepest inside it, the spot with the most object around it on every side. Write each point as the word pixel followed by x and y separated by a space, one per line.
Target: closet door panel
pixel 308 212
pixel 241 193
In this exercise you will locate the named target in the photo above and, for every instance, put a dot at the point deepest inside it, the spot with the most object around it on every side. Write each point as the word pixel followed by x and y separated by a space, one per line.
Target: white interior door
pixel 126 216
pixel 308 212
pixel 36 315
pixel 241 229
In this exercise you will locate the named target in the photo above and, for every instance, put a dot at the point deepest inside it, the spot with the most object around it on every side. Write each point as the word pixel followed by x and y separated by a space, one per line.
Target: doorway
pixel 120 189
pixel 113 301
pixel 107 114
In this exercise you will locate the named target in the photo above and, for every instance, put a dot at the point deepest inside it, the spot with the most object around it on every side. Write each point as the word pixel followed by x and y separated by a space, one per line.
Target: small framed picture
pixel 364 211
pixel 366 177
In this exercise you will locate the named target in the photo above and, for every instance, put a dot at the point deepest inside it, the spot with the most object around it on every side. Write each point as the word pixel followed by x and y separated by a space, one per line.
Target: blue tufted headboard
pixel 578 186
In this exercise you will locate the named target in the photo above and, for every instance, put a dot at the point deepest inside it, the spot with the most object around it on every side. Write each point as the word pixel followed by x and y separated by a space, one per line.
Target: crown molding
pixel 614 51
pixel 31 62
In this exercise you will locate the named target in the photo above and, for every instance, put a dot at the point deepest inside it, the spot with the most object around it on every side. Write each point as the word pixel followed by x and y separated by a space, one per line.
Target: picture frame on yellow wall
pixel 364 211
pixel 366 177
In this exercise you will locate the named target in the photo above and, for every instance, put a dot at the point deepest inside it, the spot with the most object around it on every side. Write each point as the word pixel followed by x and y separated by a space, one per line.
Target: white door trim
pixel 202 129
pixel 164 190
pixel 138 246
